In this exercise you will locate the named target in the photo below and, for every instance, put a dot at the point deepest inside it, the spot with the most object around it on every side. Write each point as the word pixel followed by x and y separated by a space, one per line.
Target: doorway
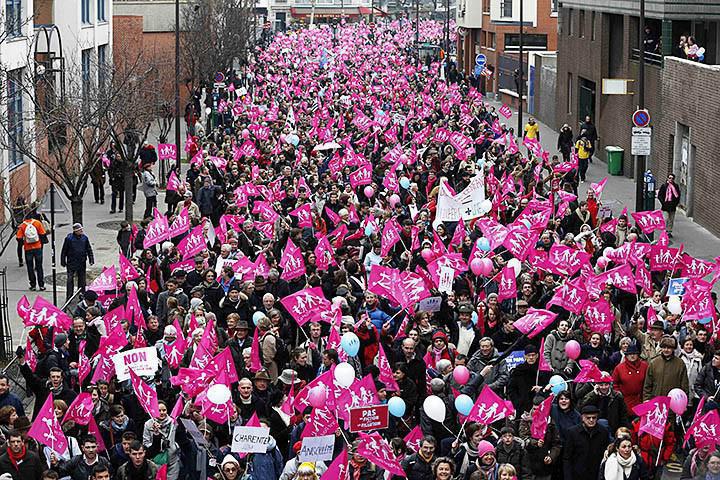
pixel 683 165
pixel 586 99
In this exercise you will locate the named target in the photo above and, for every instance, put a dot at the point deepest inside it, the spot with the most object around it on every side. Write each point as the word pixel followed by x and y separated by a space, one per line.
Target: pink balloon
pixel 245 133
pixel 572 349
pixel 461 374
pixel 476 265
pixel 481 266
pixel 369 191
pixel 602 263
pixel 427 255
pixel 282 138
pixel 394 199
pixel 678 400
pixel 317 396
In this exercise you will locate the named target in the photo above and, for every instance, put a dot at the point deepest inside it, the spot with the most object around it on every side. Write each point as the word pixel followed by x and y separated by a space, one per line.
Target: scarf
pixel 438 354
pixel 16 458
pixel 357 468
pixel 619 468
pixel 670 192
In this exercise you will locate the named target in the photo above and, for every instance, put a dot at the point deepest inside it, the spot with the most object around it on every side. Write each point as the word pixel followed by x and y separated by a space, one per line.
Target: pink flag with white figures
pixel 156 231
pixel 493 231
pixel 255 362
pixel 80 409
pixel 643 279
pixel 565 260
pixel 45 314
pixel 695 268
pixel 104 370
pixel 535 321
pixel 648 222
pixel 543 364
pixel 114 318
pixel 223 364
pixel 324 255
pixel 133 309
pixel 705 429
pixel 519 241
pixel 598 187
pixel 386 374
pixel 173 182
pixel 697 302
pixel 621 277
pixel 324 380
pixel 653 416
pixel 409 288
pixel 167 151
pixel 442 135
pixel 146 395
pixel 413 438
pixel 338 469
pixel 505 111
pixel 30 356
pixel 193 244
pixel 540 418
pixel 378 451
pixel 23 309
pixel 599 316
pixel 292 262
pixel 322 422
pixel 305 306
pixel 459 234
pixel 95 431
pixel 205 350
pixel 589 372
pixel 304 215
pixel 287 405
pixel 334 217
pixel 247 149
pixel 390 236
pixel 191 380
pixel 570 296
pixel 127 271
pixel 84 366
pixel 488 408
pixel 218 413
pixel 665 258
pixel 361 176
pixel 507 288
pixel 360 394
pixel 46 428
pixel 180 225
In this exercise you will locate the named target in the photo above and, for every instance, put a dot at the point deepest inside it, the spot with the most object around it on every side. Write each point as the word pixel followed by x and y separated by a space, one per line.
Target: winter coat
pixel 564 419
pixel 78 469
pixel 707 382
pixel 664 375
pixel 30 468
pixel 668 206
pixel 649 445
pixel 522 379
pixel 693 365
pixel 554 351
pixel 436 429
pixel 498 377
pixel 638 471
pixel 629 380
pixel 465 456
pixel 535 453
pixel 584 451
pixel 268 465
pixel 123 472
pixel 76 250
pixel 515 455
pixel 416 468
pixel 612 408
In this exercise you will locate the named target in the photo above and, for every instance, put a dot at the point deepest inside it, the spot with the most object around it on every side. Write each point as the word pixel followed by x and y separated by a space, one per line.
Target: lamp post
pixel 520 75
pixel 640 159
pixel 417 24
pixel 177 86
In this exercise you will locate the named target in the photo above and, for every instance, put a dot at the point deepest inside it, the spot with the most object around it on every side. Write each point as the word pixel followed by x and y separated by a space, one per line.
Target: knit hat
pixel 60 340
pixel 530 348
pixel 441 335
pixel 485 447
pixel 229 459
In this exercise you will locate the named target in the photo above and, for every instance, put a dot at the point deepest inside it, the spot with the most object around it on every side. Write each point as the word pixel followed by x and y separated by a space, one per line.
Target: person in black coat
pixel 76 252
pixel 585 446
pixel 669 196
pixel 565 142
pixel 20 463
pixel 525 382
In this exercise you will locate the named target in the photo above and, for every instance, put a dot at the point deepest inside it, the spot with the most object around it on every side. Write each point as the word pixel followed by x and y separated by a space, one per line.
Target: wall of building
pixel 544 85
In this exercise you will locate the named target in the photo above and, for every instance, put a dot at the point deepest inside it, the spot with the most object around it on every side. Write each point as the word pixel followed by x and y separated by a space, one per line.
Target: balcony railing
pixel 650 57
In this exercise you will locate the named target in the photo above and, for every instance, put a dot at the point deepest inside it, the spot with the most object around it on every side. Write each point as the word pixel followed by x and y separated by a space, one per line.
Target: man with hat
pixel 629 376
pixel 665 372
pixel 239 342
pixel 89 299
pixel 525 381
pixel 262 387
pixel 610 403
pixel 649 342
pixel 234 302
pixel 195 277
pixel 465 336
pixel 76 252
pixel 585 445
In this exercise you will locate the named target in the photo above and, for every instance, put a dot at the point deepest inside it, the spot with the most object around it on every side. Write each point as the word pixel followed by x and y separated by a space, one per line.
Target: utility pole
pixel 178 147
pixel 521 82
pixel 417 25
pixel 640 159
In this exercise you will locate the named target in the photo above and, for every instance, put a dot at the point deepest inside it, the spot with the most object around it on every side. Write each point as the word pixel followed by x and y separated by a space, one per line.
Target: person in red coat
pixel 629 377
pixel 650 446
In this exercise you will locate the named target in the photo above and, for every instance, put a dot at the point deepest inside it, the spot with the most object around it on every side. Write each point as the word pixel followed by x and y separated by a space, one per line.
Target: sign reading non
pixel 250 439
pixel 641 118
pixel 143 361
pixel 316 449
pixel 365 419
pixel 641 141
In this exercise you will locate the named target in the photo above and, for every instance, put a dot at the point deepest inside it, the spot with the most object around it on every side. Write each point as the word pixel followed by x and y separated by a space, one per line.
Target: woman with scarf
pixel 622 463
pixel 159 439
pixel 669 196
pixel 696 463
pixel 115 426
pixel 465 454
pixel 440 349
pixel 485 462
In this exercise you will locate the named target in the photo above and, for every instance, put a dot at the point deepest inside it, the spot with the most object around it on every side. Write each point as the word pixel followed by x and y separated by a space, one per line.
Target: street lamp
pixel 520 75
pixel 177 86
pixel 640 159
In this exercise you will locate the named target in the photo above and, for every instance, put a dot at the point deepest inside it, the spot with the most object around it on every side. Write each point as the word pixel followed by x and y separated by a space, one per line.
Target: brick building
pixel 597 42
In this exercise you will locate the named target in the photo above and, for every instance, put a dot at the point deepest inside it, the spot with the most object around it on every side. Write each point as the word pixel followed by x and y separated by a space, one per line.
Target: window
pixel 486 6
pixel 102 64
pixel 85 11
pixel 570 30
pixel 101 10
pixel 592 26
pixel 13 17
pixel 491 43
pixel 15 115
pixel 506 8
pixel 531 41
pixel 581 23
pixel 86 55
pixel 554 6
pixel 569 93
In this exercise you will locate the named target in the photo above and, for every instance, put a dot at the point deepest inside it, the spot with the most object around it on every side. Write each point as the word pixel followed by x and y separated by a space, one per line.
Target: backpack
pixel 31 233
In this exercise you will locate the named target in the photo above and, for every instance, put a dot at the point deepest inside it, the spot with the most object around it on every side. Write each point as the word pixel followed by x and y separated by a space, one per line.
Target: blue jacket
pixel 76 250
pixel 12 400
pixel 268 465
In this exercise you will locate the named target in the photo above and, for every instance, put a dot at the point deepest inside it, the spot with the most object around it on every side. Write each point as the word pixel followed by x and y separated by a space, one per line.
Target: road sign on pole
pixel 641 141
pixel 641 118
pixel 480 60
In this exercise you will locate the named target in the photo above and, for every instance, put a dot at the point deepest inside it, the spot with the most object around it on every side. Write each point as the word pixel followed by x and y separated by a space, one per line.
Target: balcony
pixel 650 58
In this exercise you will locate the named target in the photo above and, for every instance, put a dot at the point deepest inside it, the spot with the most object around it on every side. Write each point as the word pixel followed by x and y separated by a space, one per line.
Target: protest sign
pixel 465 205
pixel 143 361
pixel 316 449
pixel 431 304
pixel 250 439
pixel 364 419
pixel 514 359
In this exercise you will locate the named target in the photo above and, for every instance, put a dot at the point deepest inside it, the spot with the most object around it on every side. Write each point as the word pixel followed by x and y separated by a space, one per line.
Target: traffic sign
pixel 480 60
pixel 219 77
pixel 641 118
pixel 641 141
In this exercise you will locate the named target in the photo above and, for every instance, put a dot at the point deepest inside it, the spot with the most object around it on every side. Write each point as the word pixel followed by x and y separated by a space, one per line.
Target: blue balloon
pixel 350 343
pixel 474 317
pixel 369 230
pixel 705 321
pixel 483 244
pixel 396 407
pixel 557 384
pixel 463 404
pixel 257 316
pixel 405 182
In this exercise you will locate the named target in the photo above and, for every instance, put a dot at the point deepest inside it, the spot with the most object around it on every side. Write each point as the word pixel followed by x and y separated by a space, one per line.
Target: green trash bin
pixel 614 157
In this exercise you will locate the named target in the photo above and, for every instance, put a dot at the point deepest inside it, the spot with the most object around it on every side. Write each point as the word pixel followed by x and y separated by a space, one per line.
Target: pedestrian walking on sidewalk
pixel 76 252
pixel 669 196
pixel 583 149
pixel 32 235
pixel 565 142
pixel 590 133
pixel 149 188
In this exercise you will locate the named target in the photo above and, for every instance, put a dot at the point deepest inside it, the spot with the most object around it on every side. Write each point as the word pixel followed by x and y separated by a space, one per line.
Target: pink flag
pixel 535 321
pixel 565 260
pixel 304 215
pixel 191 380
pixel 519 241
pixel 23 309
pixel 45 314
pixel 180 225
pixel 206 349
pixel 361 393
pixel 173 182
pixel 570 296
pixel 377 450
pixel 105 281
pixel 80 409
pixel 322 422
pixel 30 357
pixel 324 380
pixel 133 309
pixel 255 362
pixel 648 222
pixel 589 372
pixel 508 286
pixel 146 395
pixel 695 268
pixel 361 176
pixel 653 416
pixel 127 271
pixel 488 408
pixel 306 305
pixel 459 234
pixel 84 366
pixel 543 364
pixel 178 408
pixel 167 151
pixel 413 438
pixel 338 469
pixel 46 428
pixel 705 429
pixel 156 231
pixel 292 262
pixel 193 244
pixel 598 187
pixel 334 217
pixel 386 374
pixel 697 302
pixel 223 364
pixel 324 254
pixel 287 406
pixel 95 431
pixel 642 278
pixel 540 418
pixel 162 471
pixel 599 316
pixel 505 111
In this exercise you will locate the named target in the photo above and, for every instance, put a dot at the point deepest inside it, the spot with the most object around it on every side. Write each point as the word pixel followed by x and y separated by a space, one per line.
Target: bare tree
pixel 215 34
pixel 66 130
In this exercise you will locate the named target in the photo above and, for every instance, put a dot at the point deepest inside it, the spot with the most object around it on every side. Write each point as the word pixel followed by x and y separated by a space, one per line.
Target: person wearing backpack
pixel 32 235
pixel 76 251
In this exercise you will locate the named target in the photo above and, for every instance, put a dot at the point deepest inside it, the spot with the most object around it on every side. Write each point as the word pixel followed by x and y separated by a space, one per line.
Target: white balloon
pixel 434 408
pixel 218 394
pixel 674 305
pixel 486 205
pixel 344 374
pixel 515 264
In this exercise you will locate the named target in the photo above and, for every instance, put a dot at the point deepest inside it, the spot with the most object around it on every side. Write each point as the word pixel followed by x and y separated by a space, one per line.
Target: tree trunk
pixel 76 206
pixel 128 173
